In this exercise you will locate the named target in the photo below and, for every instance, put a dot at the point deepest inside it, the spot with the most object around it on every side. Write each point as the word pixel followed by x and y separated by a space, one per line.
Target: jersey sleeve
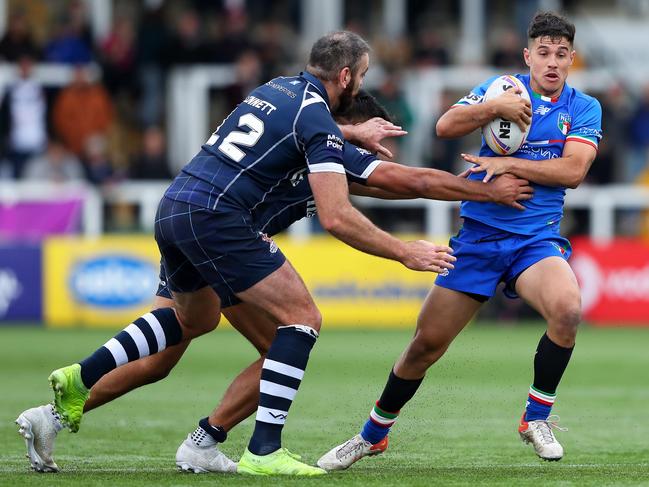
pixel 476 95
pixel 359 163
pixel 586 126
pixel 319 137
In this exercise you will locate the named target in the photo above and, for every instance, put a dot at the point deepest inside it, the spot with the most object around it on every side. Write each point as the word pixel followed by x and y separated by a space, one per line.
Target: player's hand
pixel 491 166
pixel 370 133
pixel 509 190
pixel 421 255
pixel 511 106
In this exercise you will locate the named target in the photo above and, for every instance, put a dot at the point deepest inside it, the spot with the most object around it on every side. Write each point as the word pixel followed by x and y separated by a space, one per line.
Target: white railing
pixel 600 201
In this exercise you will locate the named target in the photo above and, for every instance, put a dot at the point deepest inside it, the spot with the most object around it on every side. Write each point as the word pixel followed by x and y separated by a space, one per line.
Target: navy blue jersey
pixel 280 131
pixel 282 209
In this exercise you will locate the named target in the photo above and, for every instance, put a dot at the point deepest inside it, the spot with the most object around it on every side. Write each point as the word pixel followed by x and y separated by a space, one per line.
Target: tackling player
pixel 497 244
pixel 199 452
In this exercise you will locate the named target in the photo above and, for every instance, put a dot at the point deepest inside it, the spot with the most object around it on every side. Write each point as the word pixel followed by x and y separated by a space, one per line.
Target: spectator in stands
pixel 151 162
pixel 72 42
pixel 394 100
pixel 97 163
pixel 23 117
pixel 55 165
pixel 118 57
pixel 81 110
pixel 638 133
pixel 152 39
pixel 429 50
pixel 508 53
pixel 18 40
pixel 186 45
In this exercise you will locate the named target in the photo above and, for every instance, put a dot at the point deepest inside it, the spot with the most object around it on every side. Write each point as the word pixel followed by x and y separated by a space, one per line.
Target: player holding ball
pixel 523 249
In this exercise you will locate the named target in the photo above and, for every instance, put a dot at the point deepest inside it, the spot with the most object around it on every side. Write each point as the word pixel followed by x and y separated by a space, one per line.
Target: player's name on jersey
pixel 263 105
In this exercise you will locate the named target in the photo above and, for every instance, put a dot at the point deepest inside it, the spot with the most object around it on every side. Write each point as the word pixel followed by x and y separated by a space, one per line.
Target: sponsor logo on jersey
pixel 311 208
pixel 334 142
pixel 10 289
pixel 113 281
pixel 564 123
pixel 363 151
pixel 542 110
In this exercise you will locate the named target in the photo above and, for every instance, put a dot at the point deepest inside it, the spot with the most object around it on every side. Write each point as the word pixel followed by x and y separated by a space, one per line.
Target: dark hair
pixel 335 51
pixel 550 24
pixel 364 107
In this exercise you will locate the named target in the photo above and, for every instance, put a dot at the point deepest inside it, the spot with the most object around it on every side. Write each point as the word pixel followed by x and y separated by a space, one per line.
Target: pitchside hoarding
pixel 614 280
pixel 20 283
pixel 99 282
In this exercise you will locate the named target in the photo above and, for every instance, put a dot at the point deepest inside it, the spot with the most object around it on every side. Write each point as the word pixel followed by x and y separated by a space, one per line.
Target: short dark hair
pixel 363 108
pixel 550 24
pixel 335 51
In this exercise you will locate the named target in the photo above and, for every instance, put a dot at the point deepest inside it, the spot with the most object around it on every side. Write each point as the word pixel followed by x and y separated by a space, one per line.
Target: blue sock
pixel 539 404
pixel 378 425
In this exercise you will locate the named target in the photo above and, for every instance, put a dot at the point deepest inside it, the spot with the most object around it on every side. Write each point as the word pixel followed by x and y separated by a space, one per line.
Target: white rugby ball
pixel 502 136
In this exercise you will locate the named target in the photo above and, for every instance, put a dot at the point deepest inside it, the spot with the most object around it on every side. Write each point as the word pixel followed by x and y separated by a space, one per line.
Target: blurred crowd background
pixel 108 121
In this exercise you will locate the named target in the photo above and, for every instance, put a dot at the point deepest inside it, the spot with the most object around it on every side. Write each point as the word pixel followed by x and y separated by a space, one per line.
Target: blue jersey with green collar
pixel 573 116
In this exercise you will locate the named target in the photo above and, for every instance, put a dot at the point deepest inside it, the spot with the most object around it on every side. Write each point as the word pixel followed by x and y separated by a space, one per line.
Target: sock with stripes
pixel 149 334
pixel 207 435
pixel 550 362
pixel 281 375
pixel 396 394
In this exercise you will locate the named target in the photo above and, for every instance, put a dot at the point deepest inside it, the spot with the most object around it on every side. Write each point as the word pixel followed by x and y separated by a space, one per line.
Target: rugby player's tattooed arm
pixel 343 221
pixel 567 171
pixel 415 182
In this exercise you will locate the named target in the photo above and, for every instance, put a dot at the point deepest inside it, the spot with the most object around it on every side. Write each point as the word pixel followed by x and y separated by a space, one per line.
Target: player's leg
pixel 551 288
pixel 151 333
pixel 444 314
pixel 199 451
pixel 284 296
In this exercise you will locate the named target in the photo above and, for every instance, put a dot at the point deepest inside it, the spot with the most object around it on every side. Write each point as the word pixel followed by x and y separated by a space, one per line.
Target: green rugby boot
pixel 280 462
pixel 69 395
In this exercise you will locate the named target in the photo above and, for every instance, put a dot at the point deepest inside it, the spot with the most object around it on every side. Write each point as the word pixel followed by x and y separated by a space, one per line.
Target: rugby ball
pixel 502 136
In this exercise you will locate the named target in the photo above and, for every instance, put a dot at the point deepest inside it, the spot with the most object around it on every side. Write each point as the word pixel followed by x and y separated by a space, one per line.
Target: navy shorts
pixel 487 256
pixel 221 249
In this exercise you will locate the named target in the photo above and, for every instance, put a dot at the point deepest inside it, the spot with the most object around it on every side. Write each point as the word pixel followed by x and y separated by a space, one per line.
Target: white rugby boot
pixel 39 427
pixel 345 454
pixel 202 459
pixel 539 433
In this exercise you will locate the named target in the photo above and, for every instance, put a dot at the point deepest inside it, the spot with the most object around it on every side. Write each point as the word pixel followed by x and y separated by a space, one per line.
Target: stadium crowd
pixel 108 124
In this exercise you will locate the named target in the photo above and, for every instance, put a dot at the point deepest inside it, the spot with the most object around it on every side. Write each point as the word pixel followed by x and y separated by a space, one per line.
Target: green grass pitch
pixel 459 430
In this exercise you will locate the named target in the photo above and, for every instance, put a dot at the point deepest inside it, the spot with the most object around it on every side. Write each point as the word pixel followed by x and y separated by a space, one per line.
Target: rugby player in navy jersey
pixel 199 452
pixel 211 250
pixel 498 244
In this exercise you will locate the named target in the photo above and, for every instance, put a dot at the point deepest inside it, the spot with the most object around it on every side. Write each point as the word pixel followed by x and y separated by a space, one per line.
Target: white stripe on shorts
pixel 139 339
pixel 117 351
pixel 283 369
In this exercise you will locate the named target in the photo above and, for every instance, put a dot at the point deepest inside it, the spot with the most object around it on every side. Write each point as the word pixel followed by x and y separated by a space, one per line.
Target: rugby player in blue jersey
pixel 497 244
pixel 366 174
pixel 211 249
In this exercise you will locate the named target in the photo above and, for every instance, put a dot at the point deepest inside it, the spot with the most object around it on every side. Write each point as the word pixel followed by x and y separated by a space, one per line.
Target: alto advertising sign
pixel 20 283
pixel 103 282
pixel 614 280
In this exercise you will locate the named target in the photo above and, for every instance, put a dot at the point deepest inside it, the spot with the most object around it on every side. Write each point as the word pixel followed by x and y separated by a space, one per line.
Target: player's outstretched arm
pixel 370 133
pixel 461 120
pixel 343 221
pixel 567 171
pixel 414 182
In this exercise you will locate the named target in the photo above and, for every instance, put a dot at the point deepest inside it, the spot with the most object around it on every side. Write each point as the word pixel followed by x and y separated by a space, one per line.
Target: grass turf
pixel 460 429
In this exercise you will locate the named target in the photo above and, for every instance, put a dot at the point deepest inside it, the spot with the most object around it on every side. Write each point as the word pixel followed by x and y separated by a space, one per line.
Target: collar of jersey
pixel 317 83
pixel 539 96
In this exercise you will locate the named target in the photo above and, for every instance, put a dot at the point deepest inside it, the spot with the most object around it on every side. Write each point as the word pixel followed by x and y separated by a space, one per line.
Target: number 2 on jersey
pixel 245 139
